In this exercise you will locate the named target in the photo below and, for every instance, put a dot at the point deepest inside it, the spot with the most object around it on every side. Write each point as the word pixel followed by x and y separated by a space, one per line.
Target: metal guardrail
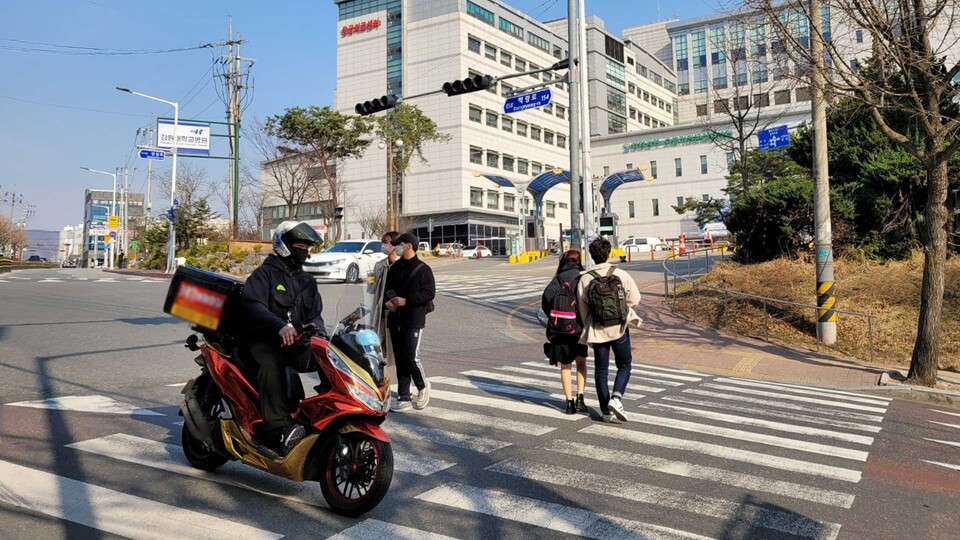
pixel 764 300
pixel 7 265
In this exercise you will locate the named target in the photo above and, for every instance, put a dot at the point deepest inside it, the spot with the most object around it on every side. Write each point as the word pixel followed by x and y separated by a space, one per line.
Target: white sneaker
pixel 616 407
pixel 423 397
pixel 609 418
pixel 400 406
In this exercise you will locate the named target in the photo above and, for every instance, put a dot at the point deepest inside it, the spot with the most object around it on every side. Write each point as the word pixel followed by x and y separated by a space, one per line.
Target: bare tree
pixel 910 72
pixel 251 198
pixel 284 170
pixel 12 238
pixel 191 183
pixel 372 220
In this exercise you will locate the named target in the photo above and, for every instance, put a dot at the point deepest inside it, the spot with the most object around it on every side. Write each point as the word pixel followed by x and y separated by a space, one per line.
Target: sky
pixel 60 112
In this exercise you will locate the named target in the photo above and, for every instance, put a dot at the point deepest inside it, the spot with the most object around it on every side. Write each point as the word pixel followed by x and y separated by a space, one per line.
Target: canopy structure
pixel 616 180
pixel 538 187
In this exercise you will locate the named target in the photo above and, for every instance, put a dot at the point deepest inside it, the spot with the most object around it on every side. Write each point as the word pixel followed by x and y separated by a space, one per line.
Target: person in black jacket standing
pixel 279 300
pixel 410 289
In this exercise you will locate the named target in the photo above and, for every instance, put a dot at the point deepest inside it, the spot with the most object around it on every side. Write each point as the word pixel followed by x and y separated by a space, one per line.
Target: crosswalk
pixel 700 456
pixel 952 422
pixel 487 289
pixel 71 277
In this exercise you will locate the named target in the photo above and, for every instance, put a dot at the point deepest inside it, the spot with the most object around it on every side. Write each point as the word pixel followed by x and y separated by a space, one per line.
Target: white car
pixel 345 261
pixel 643 245
pixel 476 252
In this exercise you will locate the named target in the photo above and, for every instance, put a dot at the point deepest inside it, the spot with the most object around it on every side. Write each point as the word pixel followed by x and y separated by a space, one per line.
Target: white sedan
pixel 476 252
pixel 345 261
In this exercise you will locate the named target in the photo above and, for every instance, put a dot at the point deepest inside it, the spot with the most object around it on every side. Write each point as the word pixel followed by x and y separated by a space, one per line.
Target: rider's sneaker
pixel 616 407
pixel 290 436
pixel 401 406
pixel 423 397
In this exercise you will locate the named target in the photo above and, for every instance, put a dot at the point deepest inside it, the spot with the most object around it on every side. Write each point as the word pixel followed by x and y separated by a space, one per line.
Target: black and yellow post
pixel 825 302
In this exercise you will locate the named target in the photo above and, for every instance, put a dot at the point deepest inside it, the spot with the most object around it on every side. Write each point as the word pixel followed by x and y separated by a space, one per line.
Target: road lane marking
pixel 552 516
pixel 703 472
pixel 756 384
pixel 112 511
pixel 956 426
pixel 756 422
pixel 370 529
pixel 511 405
pixel 947 465
pixel 785 405
pixel 817 389
pixel 552 375
pixel 945 412
pixel 444 437
pixel 498 377
pixel 778 414
pixel 950 443
pixel 486 421
pixel 782 396
pixel 782 521
pixel 726 452
pixel 532 393
pixel 92 404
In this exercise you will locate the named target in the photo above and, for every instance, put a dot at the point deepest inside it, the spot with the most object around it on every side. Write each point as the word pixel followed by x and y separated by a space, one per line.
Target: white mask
pixel 386 249
pixel 399 250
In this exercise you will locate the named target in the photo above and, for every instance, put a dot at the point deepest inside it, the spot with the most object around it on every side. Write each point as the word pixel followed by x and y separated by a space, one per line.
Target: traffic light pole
pixel 573 38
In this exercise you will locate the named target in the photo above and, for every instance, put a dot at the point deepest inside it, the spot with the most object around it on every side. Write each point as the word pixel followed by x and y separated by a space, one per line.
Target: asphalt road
pixel 89 375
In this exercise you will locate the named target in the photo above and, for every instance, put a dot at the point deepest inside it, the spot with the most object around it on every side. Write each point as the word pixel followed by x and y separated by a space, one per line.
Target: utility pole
pixel 585 177
pixel 235 81
pixel 147 203
pixel 823 235
pixel 573 39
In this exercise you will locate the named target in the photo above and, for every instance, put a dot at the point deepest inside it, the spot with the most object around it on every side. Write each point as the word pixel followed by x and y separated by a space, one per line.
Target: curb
pixel 139 273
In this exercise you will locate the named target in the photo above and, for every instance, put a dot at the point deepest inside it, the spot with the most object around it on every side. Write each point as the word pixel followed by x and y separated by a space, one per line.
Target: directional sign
pixel 176 203
pixel 773 138
pixel 113 222
pixel 152 154
pixel 523 102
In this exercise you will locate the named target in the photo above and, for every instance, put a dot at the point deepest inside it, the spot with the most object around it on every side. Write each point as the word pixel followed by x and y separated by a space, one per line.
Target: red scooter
pixel 345 449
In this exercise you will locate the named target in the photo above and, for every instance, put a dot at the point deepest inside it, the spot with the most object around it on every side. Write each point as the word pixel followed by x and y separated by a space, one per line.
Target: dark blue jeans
pixel 623 356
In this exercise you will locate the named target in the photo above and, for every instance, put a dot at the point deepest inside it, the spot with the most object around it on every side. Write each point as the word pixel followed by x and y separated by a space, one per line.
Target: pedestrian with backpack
pixel 564 328
pixel 607 296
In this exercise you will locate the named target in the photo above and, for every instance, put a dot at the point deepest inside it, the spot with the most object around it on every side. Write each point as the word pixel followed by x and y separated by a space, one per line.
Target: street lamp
pixel 172 235
pixel 113 211
pixel 391 214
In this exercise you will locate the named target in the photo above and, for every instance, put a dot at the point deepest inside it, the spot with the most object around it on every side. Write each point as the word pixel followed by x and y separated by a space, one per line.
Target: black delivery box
pixel 208 300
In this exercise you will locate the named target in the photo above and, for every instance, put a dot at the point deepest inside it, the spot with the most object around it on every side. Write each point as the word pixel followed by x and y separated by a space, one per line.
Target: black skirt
pixel 564 349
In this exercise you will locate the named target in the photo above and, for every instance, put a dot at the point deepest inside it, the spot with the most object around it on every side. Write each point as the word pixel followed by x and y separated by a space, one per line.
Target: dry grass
pixel 891 292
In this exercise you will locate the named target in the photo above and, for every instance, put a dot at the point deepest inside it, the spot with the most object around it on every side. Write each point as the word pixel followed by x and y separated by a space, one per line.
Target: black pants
pixel 406 352
pixel 276 398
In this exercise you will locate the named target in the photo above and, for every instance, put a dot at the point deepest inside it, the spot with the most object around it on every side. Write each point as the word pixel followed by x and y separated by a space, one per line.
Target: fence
pixel 726 296
pixel 7 265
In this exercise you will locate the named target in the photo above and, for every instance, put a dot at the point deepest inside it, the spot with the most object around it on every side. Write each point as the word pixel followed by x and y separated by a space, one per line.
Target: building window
pixel 561 141
pixel 633 113
pixel 490 51
pixel 476 155
pixel 551 209
pixel 493 159
pixel 484 15
pixel 646 120
pixel 854 65
pixel 538 42
pixel 678 165
pixel 493 200
pixel 656 207
pixel 613 48
pixel 616 124
pixel 492 118
pixel 534 67
pixel 706 197
pixel 629 166
pixel 742 103
pixel 730 161
pixel 557 52
pixel 535 133
pixel 703 164
pixel 702 110
pixel 476 197
pixel 548 108
pixel 507 124
pixel 548 137
pixel 505 89
pixel 762 100
pixel 511 28
pixel 679 201
pixel 522 129
pixel 476 114
pixel 653 170
pixel 803 93
pixel 561 112
pixel 506 58
pixel 507 163
pixel 781 97
pixel 473 44
pixel 721 106
pixel 859 36
pixel 508 202
pixel 630 210
pixel 523 166
pixel 536 168
pixel 520 65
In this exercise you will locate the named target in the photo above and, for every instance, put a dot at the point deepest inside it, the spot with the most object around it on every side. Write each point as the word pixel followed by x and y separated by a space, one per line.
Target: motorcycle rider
pixel 279 299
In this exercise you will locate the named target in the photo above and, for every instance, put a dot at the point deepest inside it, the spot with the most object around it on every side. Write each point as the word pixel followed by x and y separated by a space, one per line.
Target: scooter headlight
pixel 359 389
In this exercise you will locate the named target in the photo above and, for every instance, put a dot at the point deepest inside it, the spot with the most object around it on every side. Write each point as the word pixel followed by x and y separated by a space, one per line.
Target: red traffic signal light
pixel 376 105
pixel 468 85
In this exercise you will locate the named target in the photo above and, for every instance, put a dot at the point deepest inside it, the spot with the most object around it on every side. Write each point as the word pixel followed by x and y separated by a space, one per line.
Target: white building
pixel 71 242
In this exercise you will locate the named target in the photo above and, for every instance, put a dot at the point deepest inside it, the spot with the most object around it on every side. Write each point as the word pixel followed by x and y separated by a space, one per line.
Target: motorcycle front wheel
pixel 356 471
pixel 197 453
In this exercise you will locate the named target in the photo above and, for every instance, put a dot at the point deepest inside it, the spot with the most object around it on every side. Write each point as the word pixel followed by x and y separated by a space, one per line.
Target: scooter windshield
pixel 363 347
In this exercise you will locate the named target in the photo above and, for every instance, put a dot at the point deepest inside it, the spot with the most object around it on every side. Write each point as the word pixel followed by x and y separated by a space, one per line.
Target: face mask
pixel 399 250
pixel 299 255
pixel 386 249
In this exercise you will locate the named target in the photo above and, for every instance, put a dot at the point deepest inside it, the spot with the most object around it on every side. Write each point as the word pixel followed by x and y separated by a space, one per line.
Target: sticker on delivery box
pixel 198 305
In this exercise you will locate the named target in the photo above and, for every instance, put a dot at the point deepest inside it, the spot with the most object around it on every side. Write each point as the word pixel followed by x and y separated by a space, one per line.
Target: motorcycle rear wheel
pixel 197 454
pixel 355 473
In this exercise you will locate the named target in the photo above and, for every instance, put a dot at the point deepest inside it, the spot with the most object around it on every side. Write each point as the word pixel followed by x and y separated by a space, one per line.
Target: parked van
pixel 643 245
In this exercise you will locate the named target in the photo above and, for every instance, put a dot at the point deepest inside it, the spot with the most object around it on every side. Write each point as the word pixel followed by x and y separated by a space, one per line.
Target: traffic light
pixel 470 84
pixel 376 105
pixel 338 213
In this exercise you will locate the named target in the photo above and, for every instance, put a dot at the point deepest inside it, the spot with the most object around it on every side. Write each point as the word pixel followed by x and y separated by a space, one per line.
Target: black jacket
pixel 419 291
pixel 569 274
pixel 275 295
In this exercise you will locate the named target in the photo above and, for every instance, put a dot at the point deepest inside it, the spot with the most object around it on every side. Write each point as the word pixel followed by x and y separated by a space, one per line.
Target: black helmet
pixel 290 232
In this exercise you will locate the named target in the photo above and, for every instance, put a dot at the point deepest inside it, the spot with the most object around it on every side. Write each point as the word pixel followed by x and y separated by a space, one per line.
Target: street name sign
pixel 523 102
pixel 773 138
pixel 152 154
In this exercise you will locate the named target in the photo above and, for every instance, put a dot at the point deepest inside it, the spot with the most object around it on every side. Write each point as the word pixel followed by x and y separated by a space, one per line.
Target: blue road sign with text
pixel 773 138
pixel 152 154
pixel 523 102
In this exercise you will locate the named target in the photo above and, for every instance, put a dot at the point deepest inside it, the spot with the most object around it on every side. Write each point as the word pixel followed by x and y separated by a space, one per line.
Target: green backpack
pixel 607 300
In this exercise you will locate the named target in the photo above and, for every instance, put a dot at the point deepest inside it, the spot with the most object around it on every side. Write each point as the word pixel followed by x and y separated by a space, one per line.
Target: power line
pixel 61 106
pixel 55 48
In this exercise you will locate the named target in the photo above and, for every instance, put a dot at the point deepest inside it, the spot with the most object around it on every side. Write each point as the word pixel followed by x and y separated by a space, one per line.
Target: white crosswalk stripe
pixel 481 289
pixel 372 529
pixel 543 381
pixel 554 376
pixel 496 388
pixel 773 394
pixel 448 438
pixel 777 413
pixel 776 404
pixel 803 391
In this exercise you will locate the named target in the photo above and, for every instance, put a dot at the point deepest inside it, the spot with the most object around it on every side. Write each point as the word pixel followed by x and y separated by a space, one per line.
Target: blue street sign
pixel 113 234
pixel 176 203
pixel 773 138
pixel 152 154
pixel 523 102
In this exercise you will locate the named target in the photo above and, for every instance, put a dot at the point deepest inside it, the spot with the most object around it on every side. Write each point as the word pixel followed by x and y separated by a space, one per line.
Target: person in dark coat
pixel 565 349
pixel 279 300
